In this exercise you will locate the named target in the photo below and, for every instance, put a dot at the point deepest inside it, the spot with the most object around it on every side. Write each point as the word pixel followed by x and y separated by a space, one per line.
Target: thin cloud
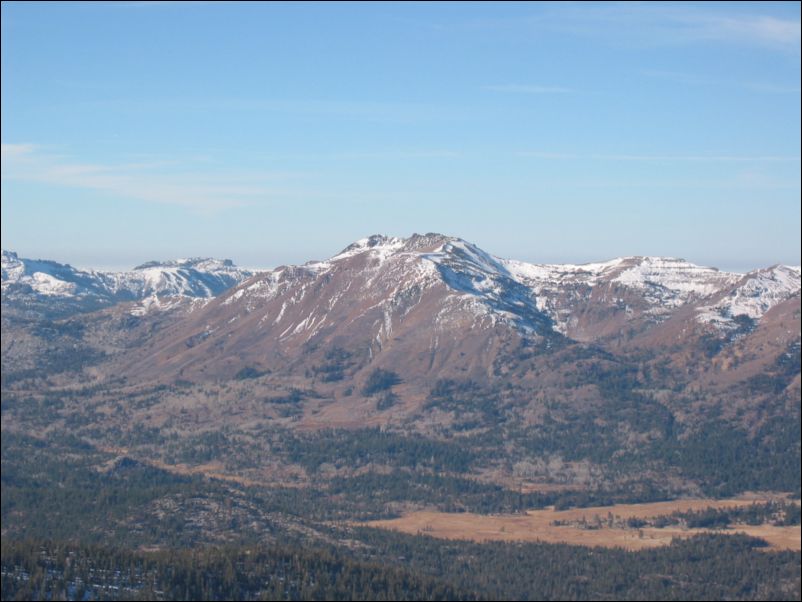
pixel 685 23
pixel 369 111
pixel 758 29
pixel 548 155
pixel 772 88
pixel 700 80
pixel 665 158
pixel 528 89
pixel 377 155
pixel 652 24
pixel 701 158
pixel 156 3
pixel 192 187
pixel 7 151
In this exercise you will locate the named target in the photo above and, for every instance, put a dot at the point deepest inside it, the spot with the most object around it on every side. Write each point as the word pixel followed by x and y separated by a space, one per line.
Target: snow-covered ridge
pixel 535 272
pixel 198 263
pixel 531 295
pixel 662 283
pixel 681 279
pixel 678 275
pixel 197 278
pixel 755 294
pixel 376 243
pixel 486 281
pixel 48 278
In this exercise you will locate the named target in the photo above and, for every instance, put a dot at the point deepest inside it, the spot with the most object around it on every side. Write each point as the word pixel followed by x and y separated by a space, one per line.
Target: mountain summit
pixel 440 306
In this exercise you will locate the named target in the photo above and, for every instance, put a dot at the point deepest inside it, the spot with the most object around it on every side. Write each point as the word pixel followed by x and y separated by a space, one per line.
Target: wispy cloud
pixel 157 3
pixel 701 158
pixel 664 158
pixel 754 29
pixel 701 80
pixel 7 151
pixel 369 155
pixel 548 155
pixel 654 24
pixel 188 185
pixel 528 89
pixel 672 24
pixel 353 110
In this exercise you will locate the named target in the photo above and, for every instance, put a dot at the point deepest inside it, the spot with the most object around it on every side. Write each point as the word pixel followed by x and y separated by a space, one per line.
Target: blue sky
pixel 277 133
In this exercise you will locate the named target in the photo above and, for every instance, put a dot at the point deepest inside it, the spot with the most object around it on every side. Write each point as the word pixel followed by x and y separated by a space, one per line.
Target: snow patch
pixel 756 294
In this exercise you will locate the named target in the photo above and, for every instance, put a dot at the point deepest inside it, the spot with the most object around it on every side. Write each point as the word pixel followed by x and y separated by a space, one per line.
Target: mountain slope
pixel 433 306
pixel 597 300
pixel 413 301
pixel 580 376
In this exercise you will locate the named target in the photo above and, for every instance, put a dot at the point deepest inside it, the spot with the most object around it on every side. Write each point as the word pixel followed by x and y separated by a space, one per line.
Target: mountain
pixel 595 375
pixel 438 306
pixel 60 289
pixel 600 299
pixel 432 306
pixel 396 300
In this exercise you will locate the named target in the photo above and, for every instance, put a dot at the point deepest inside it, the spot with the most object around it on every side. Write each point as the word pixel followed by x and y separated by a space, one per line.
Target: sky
pixel 274 133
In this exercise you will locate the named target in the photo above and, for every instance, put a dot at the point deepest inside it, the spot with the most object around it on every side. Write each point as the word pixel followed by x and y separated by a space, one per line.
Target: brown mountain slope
pixel 427 307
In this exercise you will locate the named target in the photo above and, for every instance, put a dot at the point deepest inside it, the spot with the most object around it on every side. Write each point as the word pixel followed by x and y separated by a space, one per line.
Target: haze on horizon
pixel 279 133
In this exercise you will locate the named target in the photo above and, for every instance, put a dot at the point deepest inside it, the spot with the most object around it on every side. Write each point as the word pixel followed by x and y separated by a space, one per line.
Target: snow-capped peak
pixel 376 243
pixel 12 267
pixel 529 294
pixel 685 279
pixel 755 294
pixel 198 263
pixel 658 285
pixel 25 279
pixel 48 278
pixel 663 279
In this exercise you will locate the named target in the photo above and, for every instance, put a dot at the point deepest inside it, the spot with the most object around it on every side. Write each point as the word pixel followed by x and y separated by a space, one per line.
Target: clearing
pixel 590 526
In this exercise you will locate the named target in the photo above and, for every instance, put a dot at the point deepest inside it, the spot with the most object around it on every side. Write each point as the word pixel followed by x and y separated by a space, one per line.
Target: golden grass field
pixel 538 525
